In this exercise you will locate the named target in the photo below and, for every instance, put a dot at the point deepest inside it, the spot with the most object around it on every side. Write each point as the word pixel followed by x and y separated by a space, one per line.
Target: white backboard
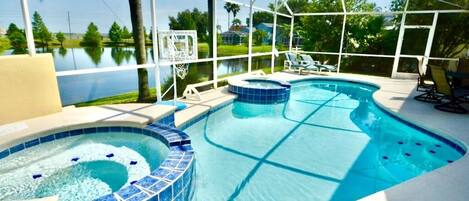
pixel 177 45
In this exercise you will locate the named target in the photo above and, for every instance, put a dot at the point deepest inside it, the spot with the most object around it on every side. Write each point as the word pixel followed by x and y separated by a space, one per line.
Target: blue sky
pixel 104 12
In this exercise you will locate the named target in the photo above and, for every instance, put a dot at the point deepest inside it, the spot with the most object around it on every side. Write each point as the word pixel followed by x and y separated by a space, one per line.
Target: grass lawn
pixel 4 44
pixel 131 97
pixel 232 50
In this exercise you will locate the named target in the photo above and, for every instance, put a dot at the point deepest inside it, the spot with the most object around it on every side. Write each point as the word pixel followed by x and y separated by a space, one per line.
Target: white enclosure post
pixel 155 51
pixel 431 34
pixel 214 44
pixel 292 25
pixel 399 42
pixel 251 4
pixel 341 44
pixel 274 36
pixel 28 28
pixel 344 9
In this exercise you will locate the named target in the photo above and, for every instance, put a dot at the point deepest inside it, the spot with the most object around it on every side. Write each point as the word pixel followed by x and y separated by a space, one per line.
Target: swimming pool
pixel 328 142
pixel 91 163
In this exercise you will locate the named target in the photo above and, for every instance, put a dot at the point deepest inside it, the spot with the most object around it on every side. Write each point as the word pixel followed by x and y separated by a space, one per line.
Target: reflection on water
pixel 81 88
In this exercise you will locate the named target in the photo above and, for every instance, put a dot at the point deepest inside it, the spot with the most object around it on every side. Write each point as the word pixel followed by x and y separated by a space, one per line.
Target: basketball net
pixel 178 55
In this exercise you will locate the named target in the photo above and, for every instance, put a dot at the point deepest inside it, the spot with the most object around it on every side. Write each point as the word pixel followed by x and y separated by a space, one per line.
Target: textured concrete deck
pixel 137 115
pixel 450 182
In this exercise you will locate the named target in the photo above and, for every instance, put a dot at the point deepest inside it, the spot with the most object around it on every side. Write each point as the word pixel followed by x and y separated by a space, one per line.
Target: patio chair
pixel 429 94
pixel 293 63
pixel 444 87
pixel 309 59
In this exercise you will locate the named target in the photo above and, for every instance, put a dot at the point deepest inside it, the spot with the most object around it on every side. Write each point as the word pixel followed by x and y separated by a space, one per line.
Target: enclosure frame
pixel 273 53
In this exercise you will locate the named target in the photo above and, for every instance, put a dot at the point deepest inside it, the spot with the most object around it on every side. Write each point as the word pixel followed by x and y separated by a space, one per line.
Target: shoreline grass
pixel 131 97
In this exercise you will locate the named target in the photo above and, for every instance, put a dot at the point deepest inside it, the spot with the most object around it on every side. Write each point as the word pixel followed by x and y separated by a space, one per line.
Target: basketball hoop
pixel 177 46
pixel 181 70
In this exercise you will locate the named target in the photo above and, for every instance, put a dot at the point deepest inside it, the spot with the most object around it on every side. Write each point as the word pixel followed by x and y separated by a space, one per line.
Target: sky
pixel 105 12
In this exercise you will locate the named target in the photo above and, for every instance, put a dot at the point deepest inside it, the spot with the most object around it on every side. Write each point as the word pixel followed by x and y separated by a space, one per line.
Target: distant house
pixel 3 32
pixel 233 37
pixel 236 35
pixel 269 29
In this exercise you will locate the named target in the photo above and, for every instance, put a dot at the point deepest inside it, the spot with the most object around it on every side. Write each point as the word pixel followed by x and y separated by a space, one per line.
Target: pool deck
pixel 396 95
pixel 135 115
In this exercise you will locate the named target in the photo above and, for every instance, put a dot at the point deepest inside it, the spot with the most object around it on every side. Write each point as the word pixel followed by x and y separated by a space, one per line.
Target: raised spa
pixel 260 90
pixel 103 163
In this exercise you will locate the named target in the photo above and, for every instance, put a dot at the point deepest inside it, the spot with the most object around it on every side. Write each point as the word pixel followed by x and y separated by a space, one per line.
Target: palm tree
pixel 228 8
pixel 235 10
pixel 136 17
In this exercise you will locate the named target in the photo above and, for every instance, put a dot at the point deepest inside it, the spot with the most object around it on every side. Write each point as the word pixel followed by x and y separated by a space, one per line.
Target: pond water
pixel 81 88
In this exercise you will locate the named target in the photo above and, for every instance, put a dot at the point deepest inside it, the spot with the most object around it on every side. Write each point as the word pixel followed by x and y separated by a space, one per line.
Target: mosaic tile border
pixel 171 181
pixel 262 95
pixel 446 141
pixel 168 120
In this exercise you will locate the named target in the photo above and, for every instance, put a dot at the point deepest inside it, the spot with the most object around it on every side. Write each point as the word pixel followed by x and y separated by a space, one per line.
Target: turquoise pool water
pixel 328 142
pixel 263 84
pixel 83 167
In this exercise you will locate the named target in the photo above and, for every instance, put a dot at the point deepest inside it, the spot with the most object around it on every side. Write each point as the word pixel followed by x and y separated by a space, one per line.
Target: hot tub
pixel 99 163
pixel 260 90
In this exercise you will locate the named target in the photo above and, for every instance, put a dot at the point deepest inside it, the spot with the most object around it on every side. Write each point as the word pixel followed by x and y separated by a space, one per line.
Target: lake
pixel 81 88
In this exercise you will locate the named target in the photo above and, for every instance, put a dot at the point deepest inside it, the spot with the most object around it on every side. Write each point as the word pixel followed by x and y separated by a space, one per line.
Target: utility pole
pixel 69 26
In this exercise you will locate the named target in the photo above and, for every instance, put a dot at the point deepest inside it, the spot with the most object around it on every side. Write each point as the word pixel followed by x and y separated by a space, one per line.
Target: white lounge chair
pixel 293 63
pixel 309 59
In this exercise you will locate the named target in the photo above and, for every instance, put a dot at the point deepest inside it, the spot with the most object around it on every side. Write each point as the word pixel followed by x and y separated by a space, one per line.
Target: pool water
pixel 82 167
pixel 328 142
pixel 263 84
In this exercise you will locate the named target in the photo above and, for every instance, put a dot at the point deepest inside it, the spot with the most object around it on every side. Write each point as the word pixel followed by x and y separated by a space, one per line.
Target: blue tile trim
pixel 167 120
pixel 4 153
pixel 170 177
pixel 249 94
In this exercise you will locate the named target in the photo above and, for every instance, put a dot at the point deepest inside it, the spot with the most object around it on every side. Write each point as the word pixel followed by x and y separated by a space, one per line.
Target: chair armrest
pixel 286 64
pixel 304 63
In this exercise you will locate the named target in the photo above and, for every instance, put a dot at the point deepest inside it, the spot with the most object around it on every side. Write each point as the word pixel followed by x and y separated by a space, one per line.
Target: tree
pixel 40 30
pixel 61 38
pixel 17 40
pixel 236 24
pixel 92 36
pixel 191 20
pixel 258 37
pixel 115 33
pixel 136 16
pixel 235 9
pixel 260 17
pixel 126 34
pixel 16 37
pixel 228 8
pixel 12 28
